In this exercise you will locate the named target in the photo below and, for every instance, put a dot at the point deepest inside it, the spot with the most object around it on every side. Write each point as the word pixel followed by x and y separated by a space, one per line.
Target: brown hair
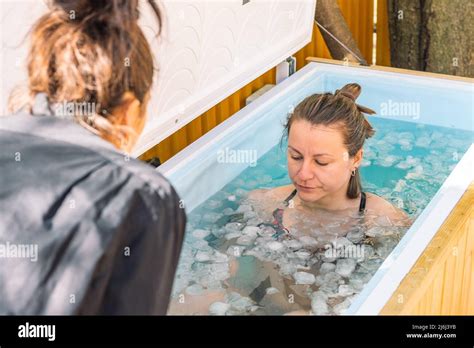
pixel 90 51
pixel 340 110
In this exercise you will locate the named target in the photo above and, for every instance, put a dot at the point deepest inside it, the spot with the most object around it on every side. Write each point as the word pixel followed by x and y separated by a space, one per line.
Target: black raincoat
pixel 83 228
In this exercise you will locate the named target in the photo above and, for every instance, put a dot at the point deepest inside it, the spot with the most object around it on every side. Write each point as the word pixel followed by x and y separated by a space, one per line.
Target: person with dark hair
pixel 324 206
pixel 84 228
pixel 326 133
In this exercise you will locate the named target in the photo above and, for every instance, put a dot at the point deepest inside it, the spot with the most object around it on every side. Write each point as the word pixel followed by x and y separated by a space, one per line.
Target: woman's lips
pixel 305 188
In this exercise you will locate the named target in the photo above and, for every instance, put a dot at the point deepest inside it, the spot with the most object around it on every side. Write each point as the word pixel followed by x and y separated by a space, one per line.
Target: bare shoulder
pixel 382 207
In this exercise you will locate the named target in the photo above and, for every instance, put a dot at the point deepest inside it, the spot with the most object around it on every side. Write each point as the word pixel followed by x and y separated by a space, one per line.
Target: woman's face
pixel 318 161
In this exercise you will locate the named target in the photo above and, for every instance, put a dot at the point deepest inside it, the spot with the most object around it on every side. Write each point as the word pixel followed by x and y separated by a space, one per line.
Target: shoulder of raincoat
pixel 83 228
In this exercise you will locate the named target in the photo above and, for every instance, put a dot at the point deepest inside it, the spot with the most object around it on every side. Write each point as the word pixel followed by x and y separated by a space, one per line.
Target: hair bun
pixel 351 91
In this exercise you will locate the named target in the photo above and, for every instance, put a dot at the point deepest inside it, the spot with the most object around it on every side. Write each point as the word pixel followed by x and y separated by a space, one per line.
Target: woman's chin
pixel 310 196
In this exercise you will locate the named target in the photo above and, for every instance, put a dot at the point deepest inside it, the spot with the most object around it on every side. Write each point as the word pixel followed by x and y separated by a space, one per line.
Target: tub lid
pixel 207 50
pixel 211 49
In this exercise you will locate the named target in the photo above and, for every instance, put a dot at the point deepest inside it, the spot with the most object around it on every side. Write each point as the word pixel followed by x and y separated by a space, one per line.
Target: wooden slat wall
pixel 359 16
pixel 383 35
pixel 441 281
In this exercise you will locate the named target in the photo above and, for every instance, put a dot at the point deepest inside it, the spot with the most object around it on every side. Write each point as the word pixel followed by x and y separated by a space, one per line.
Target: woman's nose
pixel 306 171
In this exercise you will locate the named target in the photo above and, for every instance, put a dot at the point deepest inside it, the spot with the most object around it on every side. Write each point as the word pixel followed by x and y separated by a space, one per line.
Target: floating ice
pixel 387 161
pixel 293 244
pixel 240 192
pixel 211 217
pixel 340 308
pixel 408 163
pixel 219 308
pixel 304 278
pixel 371 265
pixel 345 290
pixel 416 173
pixel 376 231
pixel 275 246
pixel 400 185
pixel 200 234
pixel 271 291
pixel 202 245
pixel 356 235
pixel 233 226
pixel 232 235
pixel 308 241
pixel 345 267
pixel 228 211
pixel 383 221
pixel 405 144
pixel 195 289
pixel 287 269
pixel 327 267
pixel 423 141
pixel 367 252
pixel 385 245
pixel 266 231
pixel 342 242
pixel 235 250
pixel 245 240
pixel 319 305
pixel 202 256
pixel 265 179
pixel 213 204
pixel 254 221
pixel 239 302
pixel 249 215
pixel 244 208
pixel 251 231
pixel 303 254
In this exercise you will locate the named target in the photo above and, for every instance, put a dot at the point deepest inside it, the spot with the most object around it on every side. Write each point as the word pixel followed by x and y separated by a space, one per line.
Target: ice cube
pixel 195 289
pixel 304 278
pixel 345 267
pixel 245 240
pixel 218 308
pixel 200 234
pixel 251 231
pixel 319 305
pixel 271 291
pixel 202 256
pixel 275 246
pixel 327 267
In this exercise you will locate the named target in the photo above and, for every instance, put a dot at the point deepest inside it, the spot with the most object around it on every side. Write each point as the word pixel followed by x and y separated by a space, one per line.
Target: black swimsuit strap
pixel 287 200
pixel 363 198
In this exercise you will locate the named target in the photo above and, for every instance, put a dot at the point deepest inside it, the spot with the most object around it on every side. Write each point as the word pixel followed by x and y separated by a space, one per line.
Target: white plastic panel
pixel 210 49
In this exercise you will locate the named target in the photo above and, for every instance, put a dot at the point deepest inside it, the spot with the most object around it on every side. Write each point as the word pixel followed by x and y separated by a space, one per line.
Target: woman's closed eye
pixel 317 162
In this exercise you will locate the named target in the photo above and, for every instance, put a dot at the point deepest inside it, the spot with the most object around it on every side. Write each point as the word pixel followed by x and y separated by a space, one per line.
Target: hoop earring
pixel 353 172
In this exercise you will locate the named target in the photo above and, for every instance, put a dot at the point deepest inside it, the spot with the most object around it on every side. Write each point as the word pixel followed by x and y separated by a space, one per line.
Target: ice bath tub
pixel 197 173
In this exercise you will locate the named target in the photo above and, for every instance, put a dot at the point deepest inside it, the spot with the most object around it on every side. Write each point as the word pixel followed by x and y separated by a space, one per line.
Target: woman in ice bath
pixel 326 134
